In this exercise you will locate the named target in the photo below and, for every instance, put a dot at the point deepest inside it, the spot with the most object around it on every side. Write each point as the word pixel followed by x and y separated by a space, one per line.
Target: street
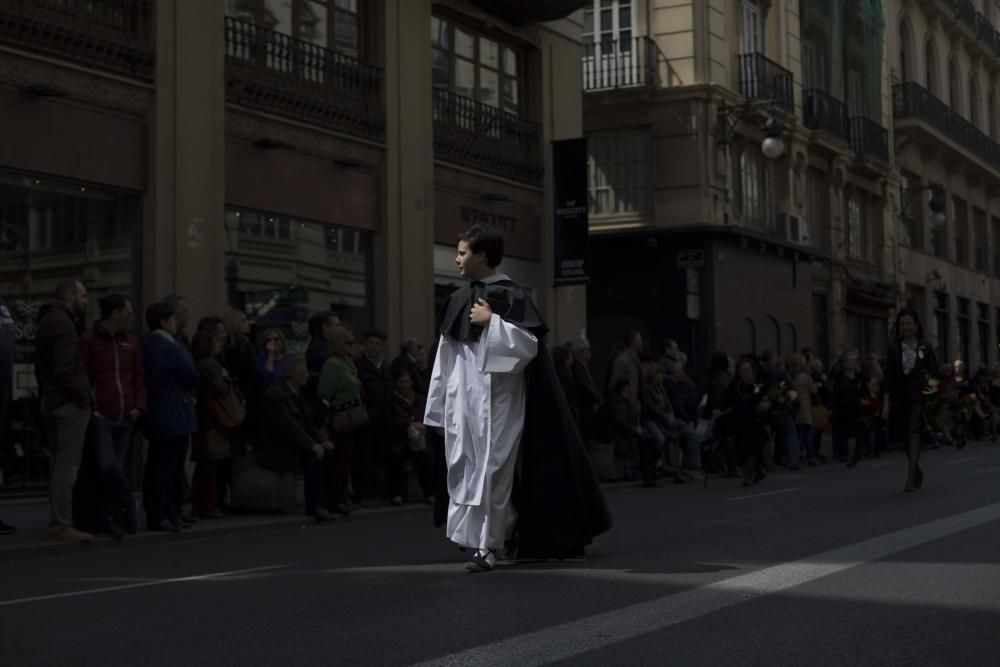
pixel 824 566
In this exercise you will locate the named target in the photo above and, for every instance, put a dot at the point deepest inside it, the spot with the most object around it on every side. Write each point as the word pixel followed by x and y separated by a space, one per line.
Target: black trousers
pixel 161 472
pixel 319 478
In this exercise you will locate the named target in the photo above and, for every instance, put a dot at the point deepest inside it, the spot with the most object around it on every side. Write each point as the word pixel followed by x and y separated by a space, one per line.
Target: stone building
pixel 696 234
pixel 280 156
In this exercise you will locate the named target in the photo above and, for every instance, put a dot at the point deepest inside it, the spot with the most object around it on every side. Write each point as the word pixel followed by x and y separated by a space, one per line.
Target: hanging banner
pixel 572 250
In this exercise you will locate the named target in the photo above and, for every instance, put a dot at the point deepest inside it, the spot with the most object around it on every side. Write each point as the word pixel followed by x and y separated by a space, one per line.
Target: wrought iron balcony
pixel 111 35
pixel 965 12
pixel 910 100
pixel 483 137
pixel 279 74
pixel 869 138
pixel 825 112
pixel 611 64
pixel 761 78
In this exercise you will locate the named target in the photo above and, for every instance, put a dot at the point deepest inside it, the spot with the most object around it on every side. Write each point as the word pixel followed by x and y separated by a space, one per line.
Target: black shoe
pixel 321 515
pixel 7 529
pixel 482 561
pixel 164 527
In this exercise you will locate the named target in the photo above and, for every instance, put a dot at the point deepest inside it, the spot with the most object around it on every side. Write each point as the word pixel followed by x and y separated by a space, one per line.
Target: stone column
pixel 184 251
pixel 405 297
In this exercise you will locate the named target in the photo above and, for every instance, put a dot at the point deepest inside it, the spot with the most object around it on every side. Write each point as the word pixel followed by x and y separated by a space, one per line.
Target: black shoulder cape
pixel 557 496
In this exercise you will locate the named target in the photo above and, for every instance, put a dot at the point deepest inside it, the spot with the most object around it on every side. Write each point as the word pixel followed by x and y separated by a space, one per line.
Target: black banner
pixel 572 250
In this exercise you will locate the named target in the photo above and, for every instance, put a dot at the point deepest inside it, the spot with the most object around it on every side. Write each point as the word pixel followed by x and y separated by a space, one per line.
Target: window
pixel 943 323
pixel 979 228
pixel 618 172
pixel 611 54
pixel 770 335
pixel 984 334
pixel 751 27
pixel 954 87
pixel 974 101
pixel 931 71
pixel 995 224
pixel 817 222
pixel 790 340
pixel 856 98
pixel 905 52
pixel 961 231
pixel 753 188
pixel 855 226
pixel 476 66
pixel 746 337
pixel 992 114
pixel 330 24
pixel 963 330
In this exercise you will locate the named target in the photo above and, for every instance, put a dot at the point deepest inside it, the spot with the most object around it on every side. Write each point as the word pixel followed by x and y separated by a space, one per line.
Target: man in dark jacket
pixel 376 381
pixel 171 380
pixel 290 440
pixel 588 397
pixel 66 406
pixel 117 379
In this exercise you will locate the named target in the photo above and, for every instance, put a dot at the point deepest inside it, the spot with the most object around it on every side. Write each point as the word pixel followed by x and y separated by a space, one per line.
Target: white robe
pixel 476 395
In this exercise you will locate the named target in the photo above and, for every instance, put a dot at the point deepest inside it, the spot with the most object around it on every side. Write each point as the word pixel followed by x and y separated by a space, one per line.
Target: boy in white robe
pixel 477 397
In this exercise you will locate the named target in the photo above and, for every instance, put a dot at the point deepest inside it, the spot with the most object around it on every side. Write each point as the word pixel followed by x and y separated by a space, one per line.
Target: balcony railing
pixel 483 137
pixel 910 100
pixel 965 12
pixel 761 78
pixel 279 74
pixel 112 35
pixel 869 138
pixel 825 112
pixel 629 63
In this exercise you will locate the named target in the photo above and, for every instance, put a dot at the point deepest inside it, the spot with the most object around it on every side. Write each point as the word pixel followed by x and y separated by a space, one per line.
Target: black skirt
pixel 906 416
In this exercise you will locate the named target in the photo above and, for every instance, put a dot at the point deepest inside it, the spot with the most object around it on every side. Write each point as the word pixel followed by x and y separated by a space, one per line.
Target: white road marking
pixel 965 460
pixel 145 584
pixel 566 640
pixel 768 493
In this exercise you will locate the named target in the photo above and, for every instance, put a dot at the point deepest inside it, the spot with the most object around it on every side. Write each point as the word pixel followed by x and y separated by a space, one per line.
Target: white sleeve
pixel 434 412
pixel 505 348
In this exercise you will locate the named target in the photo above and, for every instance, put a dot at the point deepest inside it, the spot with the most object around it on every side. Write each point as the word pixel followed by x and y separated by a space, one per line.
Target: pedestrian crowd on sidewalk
pixel 253 418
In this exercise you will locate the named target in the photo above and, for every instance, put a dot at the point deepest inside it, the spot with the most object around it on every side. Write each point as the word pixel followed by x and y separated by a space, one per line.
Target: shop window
pixel 51 231
pixel 476 65
pixel 618 173
pixel 281 271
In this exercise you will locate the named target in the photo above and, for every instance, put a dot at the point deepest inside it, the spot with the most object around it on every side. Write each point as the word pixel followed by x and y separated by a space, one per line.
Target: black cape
pixel 556 493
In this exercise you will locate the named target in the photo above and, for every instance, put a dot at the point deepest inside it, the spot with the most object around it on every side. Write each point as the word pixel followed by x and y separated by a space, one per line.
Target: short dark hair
pixel 485 239
pixel 66 289
pixel 111 304
pixel 409 346
pixel 317 321
pixel 158 312
pixel 210 322
pixel 375 333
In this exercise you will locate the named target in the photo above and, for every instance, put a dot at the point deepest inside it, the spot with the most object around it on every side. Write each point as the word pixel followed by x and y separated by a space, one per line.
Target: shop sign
pixel 572 235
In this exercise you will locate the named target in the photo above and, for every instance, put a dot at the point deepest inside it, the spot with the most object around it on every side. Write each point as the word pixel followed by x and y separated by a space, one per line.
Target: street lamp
pixel 727 117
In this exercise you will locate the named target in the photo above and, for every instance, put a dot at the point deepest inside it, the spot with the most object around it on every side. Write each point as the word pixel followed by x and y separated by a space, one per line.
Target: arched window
pixel 770 335
pixel 746 337
pixel 954 87
pixel 974 101
pixel 931 68
pixel 992 114
pixel 751 183
pixel 790 340
pixel 905 52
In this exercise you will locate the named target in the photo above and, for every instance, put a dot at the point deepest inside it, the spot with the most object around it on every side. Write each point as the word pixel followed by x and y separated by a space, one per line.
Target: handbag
pixel 227 411
pixel 349 416
pixel 820 417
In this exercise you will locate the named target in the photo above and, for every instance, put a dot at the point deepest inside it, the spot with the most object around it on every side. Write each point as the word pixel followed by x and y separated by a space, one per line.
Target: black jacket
pixel 59 366
pixel 288 433
pixel 904 388
pixel 377 384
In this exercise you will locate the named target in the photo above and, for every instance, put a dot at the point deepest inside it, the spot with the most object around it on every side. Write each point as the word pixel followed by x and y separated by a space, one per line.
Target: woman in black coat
pixel 848 386
pixel 746 408
pixel 909 363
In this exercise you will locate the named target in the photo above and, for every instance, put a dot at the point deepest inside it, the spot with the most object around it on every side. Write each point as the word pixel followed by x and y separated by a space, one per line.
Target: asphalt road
pixel 827 566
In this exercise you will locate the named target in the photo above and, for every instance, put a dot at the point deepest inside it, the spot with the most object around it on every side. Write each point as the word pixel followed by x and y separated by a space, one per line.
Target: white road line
pixel 566 640
pixel 965 460
pixel 145 584
pixel 769 493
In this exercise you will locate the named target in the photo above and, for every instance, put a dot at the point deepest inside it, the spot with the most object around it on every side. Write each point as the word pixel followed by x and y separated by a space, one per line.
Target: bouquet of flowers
pixel 871 406
pixel 965 404
pixel 938 401
pixel 783 399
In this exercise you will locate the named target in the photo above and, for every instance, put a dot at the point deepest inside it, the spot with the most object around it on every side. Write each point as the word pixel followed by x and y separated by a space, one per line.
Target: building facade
pixel 945 71
pixel 283 157
pixel 725 248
